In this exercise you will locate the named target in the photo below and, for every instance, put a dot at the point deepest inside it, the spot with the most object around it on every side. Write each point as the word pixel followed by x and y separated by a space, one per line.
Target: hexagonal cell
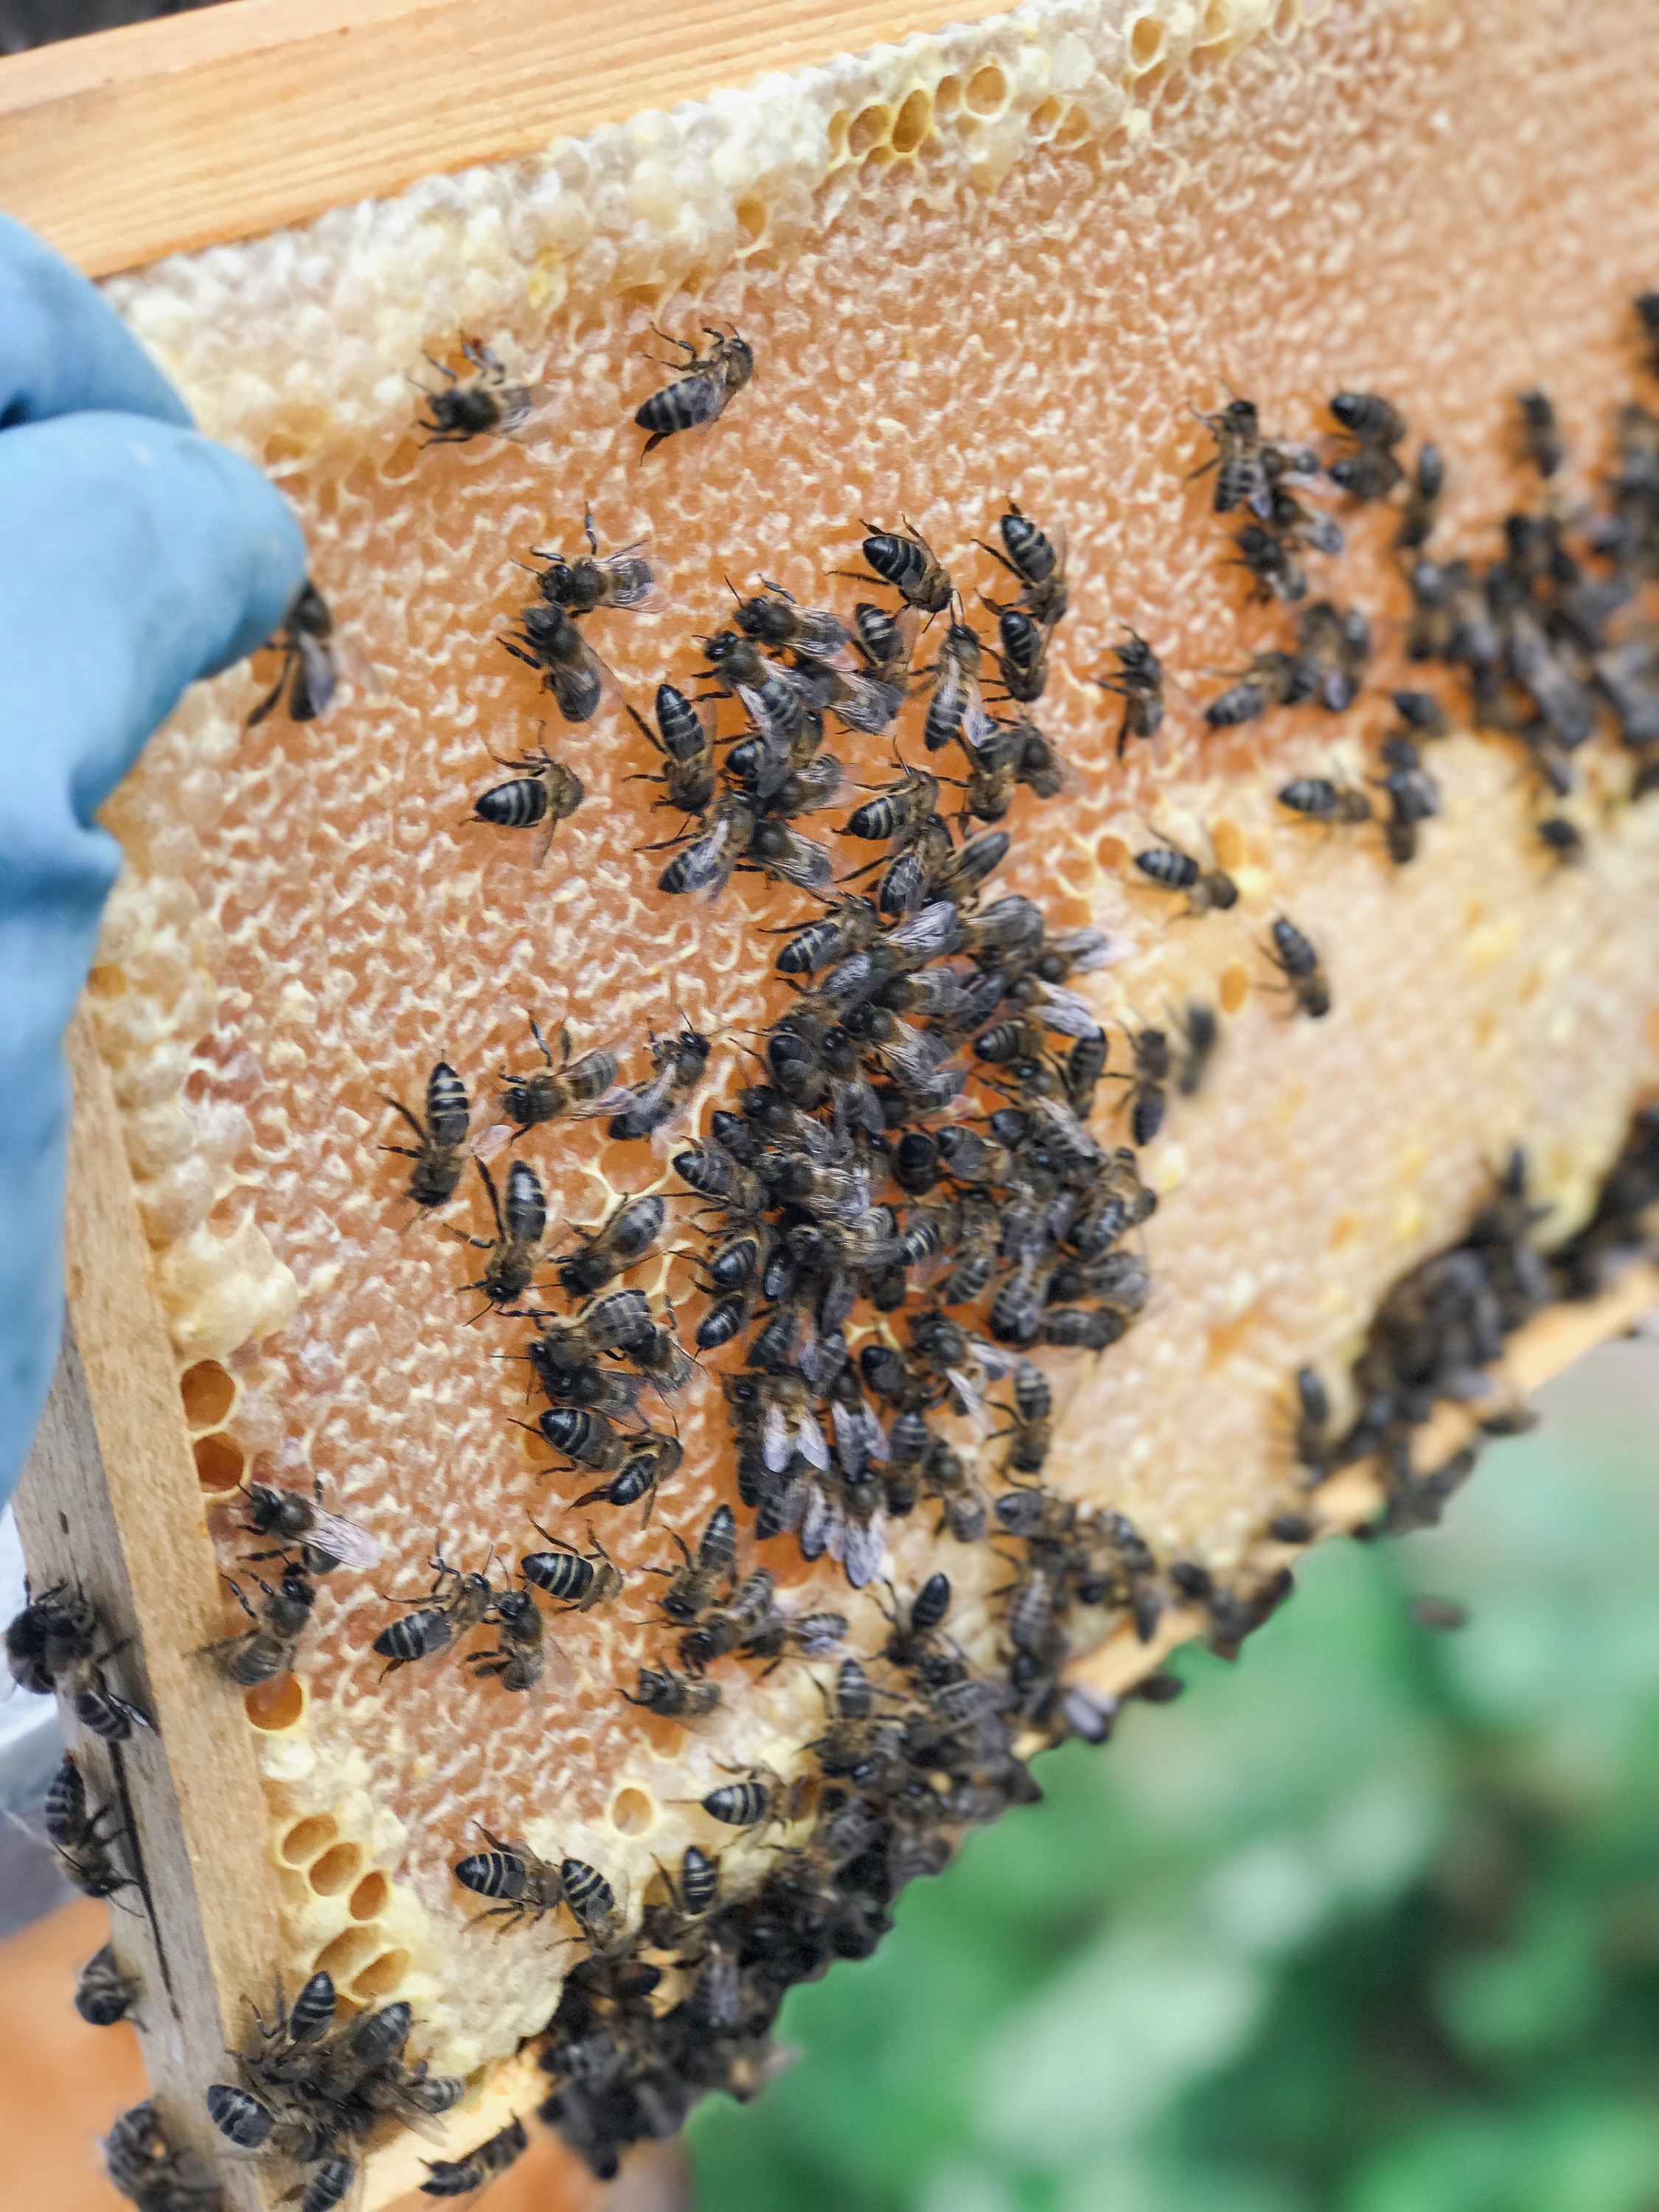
pixel 209 1392
pixel 381 1977
pixel 913 122
pixel 987 91
pixel 271 1707
pixel 371 1897
pixel 307 1839
pixel 336 1869
pixel 871 127
pixel 220 1461
pixel 633 1810
pixel 1146 42
pixel 345 1958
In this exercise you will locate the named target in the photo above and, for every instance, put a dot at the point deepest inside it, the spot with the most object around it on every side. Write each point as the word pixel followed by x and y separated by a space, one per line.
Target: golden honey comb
pixel 1008 261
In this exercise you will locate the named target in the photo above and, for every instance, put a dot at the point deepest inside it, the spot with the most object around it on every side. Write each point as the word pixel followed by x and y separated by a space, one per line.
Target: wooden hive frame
pixel 197 117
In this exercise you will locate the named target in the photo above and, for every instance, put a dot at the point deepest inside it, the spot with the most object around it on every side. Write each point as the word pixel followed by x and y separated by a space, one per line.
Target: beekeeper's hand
pixel 135 556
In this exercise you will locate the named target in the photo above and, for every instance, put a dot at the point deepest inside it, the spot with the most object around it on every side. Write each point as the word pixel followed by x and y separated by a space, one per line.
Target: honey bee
pixel 906 561
pixel 777 851
pixel 103 1994
pixel 1209 890
pixel 695 1584
pixel 75 1833
pixel 762 1800
pixel 263 1652
pixel 1428 481
pixel 1023 659
pixel 484 403
pixel 1146 1096
pixel 1371 419
pixel 549 794
pixel 674 1696
pixel 1138 680
pixel 686 746
pixel 437 1171
pixel 852 925
pixel 1366 473
pixel 1200 1033
pixel 1272 679
pixel 1540 433
pixel 707 861
pixel 775 620
pixel 885 643
pixel 520 1227
pixel 524 1886
pixel 1240 476
pixel 449 2177
pixel 578 1580
pixel 520 1661
pixel 52 1645
pixel 576 1089
pixel 617 1244
pixel 1038 561
pixel 680 1061
pixel 1318 799
pixel 955 708
pixel 1298 963
pixel 1267 556
pixel 704 385
pixel 592 1901
pixel 316 659
pixel 1334 646
pixel 649 1462
pixel 548 640
pixel 593 581
pixel 326 1540
pixel 153 2175
pixel 1370 470
pixel 456 1603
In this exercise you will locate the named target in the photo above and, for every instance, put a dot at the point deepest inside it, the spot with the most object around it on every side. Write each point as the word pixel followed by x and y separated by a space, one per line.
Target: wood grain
pixel 110 1499
pixel 132 143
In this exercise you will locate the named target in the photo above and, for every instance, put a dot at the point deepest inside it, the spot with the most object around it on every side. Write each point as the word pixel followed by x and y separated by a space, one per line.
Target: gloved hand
pixel 135 556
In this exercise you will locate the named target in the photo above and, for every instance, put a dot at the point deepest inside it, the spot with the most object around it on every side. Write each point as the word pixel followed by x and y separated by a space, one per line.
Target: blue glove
pixel 135 556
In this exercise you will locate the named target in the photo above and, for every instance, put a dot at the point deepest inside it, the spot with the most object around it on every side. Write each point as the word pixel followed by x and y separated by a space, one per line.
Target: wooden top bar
pixel 129 144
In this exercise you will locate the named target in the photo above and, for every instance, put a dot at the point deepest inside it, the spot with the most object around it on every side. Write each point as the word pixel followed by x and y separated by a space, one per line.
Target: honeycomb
pixel 1007 259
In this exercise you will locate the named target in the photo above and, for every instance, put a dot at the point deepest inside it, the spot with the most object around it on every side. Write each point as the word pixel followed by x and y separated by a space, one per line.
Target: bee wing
pixel 353 665
pixel 978 727
pixel 937 930
pixel 1065 1013
pixel 818 1527
pixel 774 1440
pixel 809 1440
pixel 610 1102
pixel 775 739
pixel 867 703
pixel 1089 949
pixel 850 1445
pixel 344 1540
pixel 969 1402
pixel 649 595
pixel 997 1359
pixel 804 864
pixel 864 1551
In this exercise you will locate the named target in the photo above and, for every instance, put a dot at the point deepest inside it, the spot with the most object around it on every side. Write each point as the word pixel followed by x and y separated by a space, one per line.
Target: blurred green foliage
pixel 1367 1923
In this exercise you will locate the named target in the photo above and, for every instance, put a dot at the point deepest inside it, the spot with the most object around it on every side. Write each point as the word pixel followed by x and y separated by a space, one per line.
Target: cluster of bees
pixel 912 1171
pixel 312 2087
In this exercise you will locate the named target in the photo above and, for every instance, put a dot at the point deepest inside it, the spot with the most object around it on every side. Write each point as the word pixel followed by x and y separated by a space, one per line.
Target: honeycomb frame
pixel 511 250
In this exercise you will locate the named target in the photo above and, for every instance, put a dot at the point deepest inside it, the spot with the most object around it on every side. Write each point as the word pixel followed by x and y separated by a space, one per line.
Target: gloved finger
pixel 134 556
pixel 62 349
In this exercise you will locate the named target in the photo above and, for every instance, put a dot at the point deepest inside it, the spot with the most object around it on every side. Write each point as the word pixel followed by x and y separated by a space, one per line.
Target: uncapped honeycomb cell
pixel 1011 260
